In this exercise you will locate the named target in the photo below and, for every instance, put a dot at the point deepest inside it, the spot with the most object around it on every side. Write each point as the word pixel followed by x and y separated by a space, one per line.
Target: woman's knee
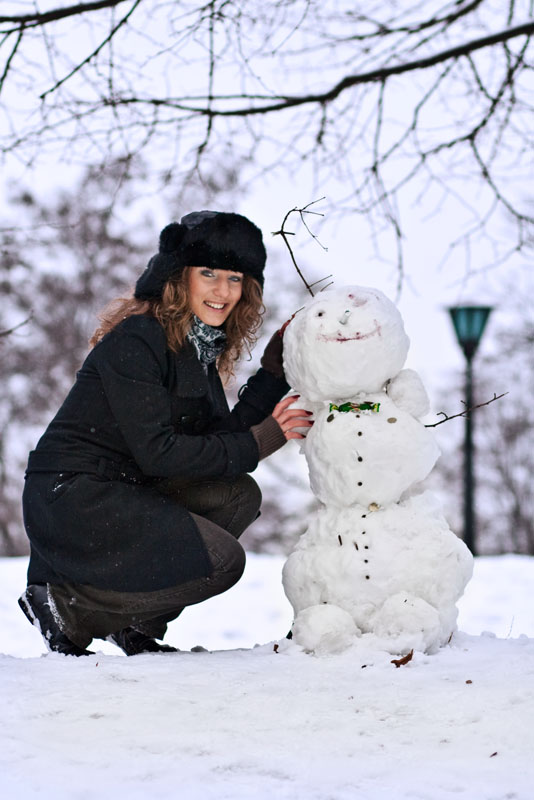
pixel 228 559
pixel 226 555
pixel 250 493
pixel 232 505
pixel 235 561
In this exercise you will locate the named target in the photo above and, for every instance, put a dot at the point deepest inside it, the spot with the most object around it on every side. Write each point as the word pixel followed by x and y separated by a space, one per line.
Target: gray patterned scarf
pixel 208 342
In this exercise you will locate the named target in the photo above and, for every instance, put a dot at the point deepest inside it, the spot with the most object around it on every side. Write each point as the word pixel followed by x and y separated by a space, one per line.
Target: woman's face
pixel 214 293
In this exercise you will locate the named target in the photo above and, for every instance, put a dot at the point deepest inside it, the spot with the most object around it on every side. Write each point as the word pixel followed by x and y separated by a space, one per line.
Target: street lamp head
pixel 469 323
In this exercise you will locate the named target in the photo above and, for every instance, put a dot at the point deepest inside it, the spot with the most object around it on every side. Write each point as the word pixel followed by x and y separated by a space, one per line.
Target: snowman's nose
pixel 344 318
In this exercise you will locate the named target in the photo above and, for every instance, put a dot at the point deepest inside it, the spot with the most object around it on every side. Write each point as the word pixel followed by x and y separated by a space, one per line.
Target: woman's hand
pixel 290 418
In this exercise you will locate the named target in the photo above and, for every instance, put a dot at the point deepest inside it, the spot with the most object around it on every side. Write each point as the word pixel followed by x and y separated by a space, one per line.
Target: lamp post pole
pixel 469 478
pixel 469 323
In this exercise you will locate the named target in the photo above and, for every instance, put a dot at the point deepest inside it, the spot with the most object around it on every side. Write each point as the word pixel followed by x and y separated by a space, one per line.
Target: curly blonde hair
pixel 174 314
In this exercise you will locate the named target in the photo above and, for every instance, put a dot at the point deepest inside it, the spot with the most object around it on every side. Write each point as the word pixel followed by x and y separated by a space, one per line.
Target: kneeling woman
pixel 138 491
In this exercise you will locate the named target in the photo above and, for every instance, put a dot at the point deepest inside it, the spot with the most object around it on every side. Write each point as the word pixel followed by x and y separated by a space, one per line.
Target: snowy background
pixel 245 721
pixel 239 723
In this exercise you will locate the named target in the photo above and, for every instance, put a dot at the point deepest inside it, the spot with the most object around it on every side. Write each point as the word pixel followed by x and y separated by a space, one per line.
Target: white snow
pixel 364 457
pixel 255 723
pixel 354 325
pixel 403 555
pixel 407 391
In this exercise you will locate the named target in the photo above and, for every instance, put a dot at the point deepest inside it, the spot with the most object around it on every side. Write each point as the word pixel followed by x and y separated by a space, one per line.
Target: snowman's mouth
pixel 377 331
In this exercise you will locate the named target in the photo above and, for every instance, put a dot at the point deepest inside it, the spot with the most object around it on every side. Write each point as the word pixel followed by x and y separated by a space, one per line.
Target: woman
pixel 138 491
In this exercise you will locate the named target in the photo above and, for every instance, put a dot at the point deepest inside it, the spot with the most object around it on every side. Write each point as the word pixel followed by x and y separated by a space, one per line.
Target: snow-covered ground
pixel 243 723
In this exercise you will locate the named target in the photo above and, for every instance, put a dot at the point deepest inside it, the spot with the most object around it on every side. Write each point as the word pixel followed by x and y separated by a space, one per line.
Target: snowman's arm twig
pixel 321 280
pixel 284 234
pixel 465 411
pixel 303 211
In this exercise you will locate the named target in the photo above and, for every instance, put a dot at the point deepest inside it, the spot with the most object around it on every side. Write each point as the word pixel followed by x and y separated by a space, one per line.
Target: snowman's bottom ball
pixel 324 628
pixel 408 623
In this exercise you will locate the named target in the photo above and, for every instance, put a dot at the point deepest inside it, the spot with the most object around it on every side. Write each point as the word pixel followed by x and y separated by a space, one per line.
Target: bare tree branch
pixel 465 412
pixel 291 87
pixel 95 52
pixel 42 18
pixel 446 19
pixel 374 76
pixel 15 327
pixel 10 58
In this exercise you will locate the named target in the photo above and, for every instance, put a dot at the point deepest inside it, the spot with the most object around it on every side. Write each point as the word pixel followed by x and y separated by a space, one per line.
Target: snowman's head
pixel 345 341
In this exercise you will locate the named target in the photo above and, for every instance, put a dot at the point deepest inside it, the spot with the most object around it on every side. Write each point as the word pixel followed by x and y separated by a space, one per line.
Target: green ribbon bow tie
pixel 344 407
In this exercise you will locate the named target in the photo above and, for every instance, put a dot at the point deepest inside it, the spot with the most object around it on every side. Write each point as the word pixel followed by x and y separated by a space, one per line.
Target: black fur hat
pixel 204 239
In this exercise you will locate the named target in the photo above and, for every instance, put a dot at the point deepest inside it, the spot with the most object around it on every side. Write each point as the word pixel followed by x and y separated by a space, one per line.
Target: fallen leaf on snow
pixel 400 662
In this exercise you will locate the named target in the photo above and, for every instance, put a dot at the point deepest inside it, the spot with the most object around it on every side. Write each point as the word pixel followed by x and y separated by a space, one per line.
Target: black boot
pixel 36 606
pixel 134 642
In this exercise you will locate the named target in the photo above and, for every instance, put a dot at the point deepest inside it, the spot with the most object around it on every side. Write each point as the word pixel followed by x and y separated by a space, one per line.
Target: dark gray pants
pixel 222 511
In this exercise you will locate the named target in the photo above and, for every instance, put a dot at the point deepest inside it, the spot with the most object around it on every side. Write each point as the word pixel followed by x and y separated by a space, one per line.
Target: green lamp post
pixel 469 323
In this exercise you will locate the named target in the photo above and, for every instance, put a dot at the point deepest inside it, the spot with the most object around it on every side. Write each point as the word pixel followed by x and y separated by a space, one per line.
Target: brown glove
pixel 272 358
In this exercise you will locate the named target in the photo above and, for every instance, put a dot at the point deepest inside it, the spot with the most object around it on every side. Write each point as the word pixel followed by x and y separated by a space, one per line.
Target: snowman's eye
pixel 320 314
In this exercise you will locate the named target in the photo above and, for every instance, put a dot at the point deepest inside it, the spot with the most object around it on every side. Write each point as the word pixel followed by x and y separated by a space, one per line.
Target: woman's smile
pixel 214 293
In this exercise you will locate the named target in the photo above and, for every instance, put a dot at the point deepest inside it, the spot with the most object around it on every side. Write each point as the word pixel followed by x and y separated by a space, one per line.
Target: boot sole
pixel 30 615
pixel 28 611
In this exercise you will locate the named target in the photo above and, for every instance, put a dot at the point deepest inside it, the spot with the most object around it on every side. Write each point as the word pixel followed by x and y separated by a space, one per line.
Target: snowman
pixel 378 565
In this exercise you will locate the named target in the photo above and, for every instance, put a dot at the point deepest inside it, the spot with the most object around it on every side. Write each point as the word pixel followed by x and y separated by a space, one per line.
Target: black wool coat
pixel 136 414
